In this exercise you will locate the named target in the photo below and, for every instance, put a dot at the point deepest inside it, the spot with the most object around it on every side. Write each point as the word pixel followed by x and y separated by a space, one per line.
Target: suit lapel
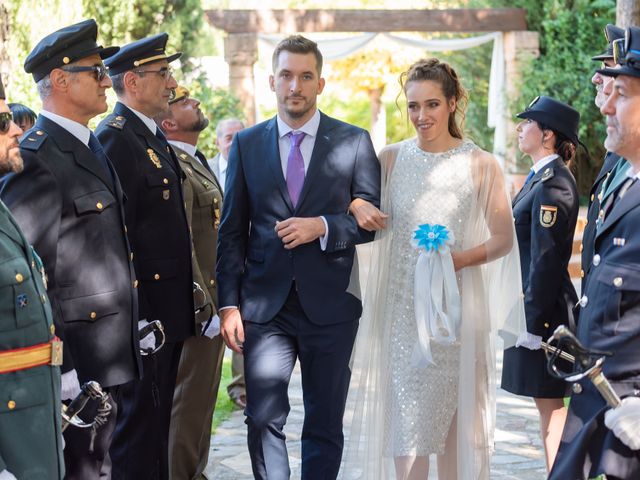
pixel 84 157
pixel 630 200
pixel 273 160
pixel 527 188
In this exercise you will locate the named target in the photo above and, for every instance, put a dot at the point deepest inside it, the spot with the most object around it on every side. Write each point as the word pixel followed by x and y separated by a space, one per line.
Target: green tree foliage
pixel 571 31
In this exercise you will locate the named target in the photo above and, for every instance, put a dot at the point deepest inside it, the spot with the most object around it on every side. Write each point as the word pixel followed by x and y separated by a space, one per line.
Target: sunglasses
pixel 6 118
pixel 101 71
pixel 164 72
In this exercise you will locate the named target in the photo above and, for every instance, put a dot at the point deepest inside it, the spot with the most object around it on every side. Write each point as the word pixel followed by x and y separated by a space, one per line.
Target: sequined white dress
pixel 425 188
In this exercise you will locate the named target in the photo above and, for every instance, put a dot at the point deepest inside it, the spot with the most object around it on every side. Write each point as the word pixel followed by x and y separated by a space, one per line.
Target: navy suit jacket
pixel 255 271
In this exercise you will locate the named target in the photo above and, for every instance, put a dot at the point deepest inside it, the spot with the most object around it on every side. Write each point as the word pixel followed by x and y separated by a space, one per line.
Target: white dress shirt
pixel 543 162
pixel 149 122
pixel 187 147
pixel 81 132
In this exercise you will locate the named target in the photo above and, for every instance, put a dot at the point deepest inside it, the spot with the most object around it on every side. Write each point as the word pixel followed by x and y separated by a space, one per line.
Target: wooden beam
pixel 291 21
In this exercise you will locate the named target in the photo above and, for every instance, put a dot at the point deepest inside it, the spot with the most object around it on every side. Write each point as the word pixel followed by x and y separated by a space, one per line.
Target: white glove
pixel 70 385
pixel 624 421
pixel 147 343
pixel 213 329
pixel 7 475
pixel 529 340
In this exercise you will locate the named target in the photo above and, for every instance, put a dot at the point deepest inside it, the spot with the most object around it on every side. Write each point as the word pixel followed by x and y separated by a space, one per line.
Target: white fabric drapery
pixel 336 48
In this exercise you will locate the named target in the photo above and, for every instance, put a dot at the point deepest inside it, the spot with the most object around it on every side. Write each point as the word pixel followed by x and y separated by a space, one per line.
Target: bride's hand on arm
pixel 367 215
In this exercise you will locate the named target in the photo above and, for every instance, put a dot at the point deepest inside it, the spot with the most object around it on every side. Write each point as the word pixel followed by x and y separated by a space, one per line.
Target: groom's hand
pixel 232 329
pixel 296 231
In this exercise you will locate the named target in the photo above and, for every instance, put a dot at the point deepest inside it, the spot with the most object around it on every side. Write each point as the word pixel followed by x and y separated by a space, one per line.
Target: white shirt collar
pixel 310 128
pixel 187 147
pixel 543 162
pixel 149 122
pixel 81 132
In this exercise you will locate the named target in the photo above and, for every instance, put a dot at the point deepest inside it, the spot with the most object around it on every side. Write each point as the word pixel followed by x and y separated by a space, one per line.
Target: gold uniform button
pixel 40 132
pixel 581 273
pixel 19 277
pixel 52 329
pixel 546 325
pixel 135 284
pixel 165 181
pixel 11 404
pixel 99 206
pixel 131 256
pixel 592 197
pixel 156 276
pixel 212 282
pixel 93 315
pixel 581 248
pixel 617 281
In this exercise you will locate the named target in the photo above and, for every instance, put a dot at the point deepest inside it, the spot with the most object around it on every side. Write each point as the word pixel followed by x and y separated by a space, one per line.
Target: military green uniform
pixel 201 359
pixel 30 436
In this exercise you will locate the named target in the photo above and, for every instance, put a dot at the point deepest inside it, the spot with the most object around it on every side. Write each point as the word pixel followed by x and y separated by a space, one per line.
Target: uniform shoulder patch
pixel 34 140
pixel 548 215
pixel 116 121
pixel 547 174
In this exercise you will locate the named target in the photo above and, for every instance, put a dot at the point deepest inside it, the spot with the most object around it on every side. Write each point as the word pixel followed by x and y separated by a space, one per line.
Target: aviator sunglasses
pixel 5 121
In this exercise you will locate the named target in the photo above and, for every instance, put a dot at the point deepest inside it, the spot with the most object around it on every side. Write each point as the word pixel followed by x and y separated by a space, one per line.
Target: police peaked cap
pixel 178 94
pixel 555 115
pixel 612 33
pixel 631 69
pixel 64 46
pixel 141 52
pixel 2 95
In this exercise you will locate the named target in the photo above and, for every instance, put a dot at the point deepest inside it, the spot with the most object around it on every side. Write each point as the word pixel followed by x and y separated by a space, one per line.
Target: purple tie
pixel 295 167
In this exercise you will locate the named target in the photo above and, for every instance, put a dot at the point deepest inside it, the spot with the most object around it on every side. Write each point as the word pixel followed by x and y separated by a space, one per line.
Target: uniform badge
pixel 619 242
pixel 548 215
pixel 183 156
pixel 166 194
pixel 154 158
pixel 21 301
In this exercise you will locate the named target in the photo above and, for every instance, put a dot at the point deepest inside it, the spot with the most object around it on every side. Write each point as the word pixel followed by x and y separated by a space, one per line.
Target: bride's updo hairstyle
pixel 441 72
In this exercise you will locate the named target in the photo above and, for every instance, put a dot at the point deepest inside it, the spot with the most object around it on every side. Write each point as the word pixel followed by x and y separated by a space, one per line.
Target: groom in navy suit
pixel 285 254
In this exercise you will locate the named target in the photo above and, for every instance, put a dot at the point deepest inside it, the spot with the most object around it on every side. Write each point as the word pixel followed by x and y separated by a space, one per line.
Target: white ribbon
pixel 437 306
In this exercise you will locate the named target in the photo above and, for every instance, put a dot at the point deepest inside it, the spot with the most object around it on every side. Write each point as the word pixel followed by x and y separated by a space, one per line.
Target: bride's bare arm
pixel 367 215
pixel 498 217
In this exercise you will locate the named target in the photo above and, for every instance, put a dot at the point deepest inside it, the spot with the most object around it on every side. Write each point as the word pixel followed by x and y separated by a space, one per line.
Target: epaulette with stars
pixel 116 121
pixel 34 140
pixel 547 174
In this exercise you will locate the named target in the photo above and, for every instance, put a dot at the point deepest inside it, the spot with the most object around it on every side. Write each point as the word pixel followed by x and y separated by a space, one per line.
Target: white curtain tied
pixel 436 295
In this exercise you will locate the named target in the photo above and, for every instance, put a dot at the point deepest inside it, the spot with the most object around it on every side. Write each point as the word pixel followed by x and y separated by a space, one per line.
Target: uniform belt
pixel 49 353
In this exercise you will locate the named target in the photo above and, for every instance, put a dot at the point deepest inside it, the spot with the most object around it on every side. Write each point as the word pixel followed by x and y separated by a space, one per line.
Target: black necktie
pixel 98 151
pixel 203 160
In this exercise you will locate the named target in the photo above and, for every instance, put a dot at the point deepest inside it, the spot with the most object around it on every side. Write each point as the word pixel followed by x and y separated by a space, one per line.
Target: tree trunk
pixel 627 13
pixel 378 119
pixel 5 65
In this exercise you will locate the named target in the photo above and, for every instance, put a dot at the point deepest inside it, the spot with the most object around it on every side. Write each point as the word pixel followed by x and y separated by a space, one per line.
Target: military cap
pixel 178 94
pixel 611 32
pixel 2 95
pixel 64 46
pixel 141 52
pixel 628 55
pixel 555 115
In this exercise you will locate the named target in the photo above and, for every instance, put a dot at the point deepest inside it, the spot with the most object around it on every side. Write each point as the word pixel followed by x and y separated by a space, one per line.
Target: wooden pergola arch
pixel 243 26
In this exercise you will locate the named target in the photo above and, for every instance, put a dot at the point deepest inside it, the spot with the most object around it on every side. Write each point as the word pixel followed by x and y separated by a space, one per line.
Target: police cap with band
pixel 65 46
pixel 141 52
pixel 2 95
pixel 555 115
pixel 611 32
pixel 627 55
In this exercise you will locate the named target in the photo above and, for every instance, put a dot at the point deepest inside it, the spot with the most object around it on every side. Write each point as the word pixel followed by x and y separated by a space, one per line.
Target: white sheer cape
pixel 491 305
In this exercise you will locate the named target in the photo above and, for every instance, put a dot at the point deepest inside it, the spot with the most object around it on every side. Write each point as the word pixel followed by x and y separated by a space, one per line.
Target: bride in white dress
pixel 417 391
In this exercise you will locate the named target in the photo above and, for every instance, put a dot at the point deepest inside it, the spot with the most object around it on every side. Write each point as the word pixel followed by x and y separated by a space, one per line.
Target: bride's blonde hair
pixel 441 72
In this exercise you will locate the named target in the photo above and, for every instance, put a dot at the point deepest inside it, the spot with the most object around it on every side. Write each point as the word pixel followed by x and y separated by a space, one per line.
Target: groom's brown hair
pixel 297 44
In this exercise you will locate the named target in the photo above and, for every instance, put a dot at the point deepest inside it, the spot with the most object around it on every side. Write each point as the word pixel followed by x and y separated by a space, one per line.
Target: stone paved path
pixel 518 453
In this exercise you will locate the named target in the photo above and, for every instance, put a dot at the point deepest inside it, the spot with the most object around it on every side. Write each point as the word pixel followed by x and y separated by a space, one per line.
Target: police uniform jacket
pixel 30 437
pixel 609 321
pixel 155 215
pixel 203 200
pixel 589 233
pixel 70 209
pixel 545 213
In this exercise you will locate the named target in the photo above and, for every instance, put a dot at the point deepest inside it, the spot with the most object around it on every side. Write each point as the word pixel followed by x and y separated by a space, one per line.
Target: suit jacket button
pixel 156 276
pixel 93 315
pixel 135 284
pixel 19 278
pixel 617 282
pixel 11 404
pixel 583 301
pixel 546 325
pixel 99 206
pixel 577 388
pixel 596 260
pixel 212 282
